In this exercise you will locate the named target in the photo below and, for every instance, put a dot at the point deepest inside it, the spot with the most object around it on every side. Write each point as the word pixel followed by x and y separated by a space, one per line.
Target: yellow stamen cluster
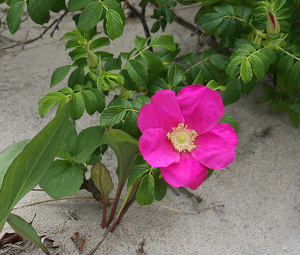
pixel 182 138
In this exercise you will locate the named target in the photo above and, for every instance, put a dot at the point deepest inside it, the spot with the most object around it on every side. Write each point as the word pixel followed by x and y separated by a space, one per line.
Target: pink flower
pixel 181 135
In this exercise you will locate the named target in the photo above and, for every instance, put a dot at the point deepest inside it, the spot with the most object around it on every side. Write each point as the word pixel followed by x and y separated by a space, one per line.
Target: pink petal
pixel 215 148
pixel 188 172
pixel 162 112
pixel 201 107
pixel 156 149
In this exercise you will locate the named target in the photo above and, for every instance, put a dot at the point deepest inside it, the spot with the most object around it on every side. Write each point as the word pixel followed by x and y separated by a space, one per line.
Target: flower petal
pixel 162 112
pixel 201 107
pixel 156 149
pixel 215 148
pixel 188 172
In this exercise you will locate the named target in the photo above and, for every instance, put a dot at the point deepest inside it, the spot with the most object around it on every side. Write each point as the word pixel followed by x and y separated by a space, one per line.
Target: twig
pixel 58 20
pixel 187 25
pixel 62 227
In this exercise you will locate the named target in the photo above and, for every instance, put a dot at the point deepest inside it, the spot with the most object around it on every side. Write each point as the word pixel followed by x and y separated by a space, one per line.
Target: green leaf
pixel 285 64
pixel 66 150
pixel 46 104
pixel 102 180
pixel 274 103
pixel 189 58
pixel 117 7
pixel 249 87
pixel 233 92
pixel 8 156
pixel 126 150
pixel 78 106
pixel 129 83
pixel 264 98
pixel 174 75
pixel 29 167
pixel 25 230
pixel 264 59
pixel 225 9
pixel 169 15
pixel 210 172
pixel 14 16
pixel 114 24
pixel 140 42
pixel 145 192
pixel 76 77
pixel 295 108
pixel 75 5
pixel 75 34
pixel 257 66
pixel 137 172
pixel 90 101
pixel 59 74
pixel 130 124
pixel 210 71
pixel 270 54
pixel 200 77
pixel 233 64
pixel 56 5
pixel 210 21
pixel 269 89
pixel 156 83
pixel 90 16
pixel 231 121
pixel 284 105
pixel 227 27
pixel 167 55
pixel 154 63
pixel 207 54
pixel 100 98
pixel 38 11
pixel 278 4
pixel 244 11
pixel 62 179
pixel 294 117
pixel 220 61
pixel 87 142
pixel 160 185
pixel 212 85
pixel 137 72
pixel 120 102
pixel 246 71
pixel 99 42
pixel 295 73
pixel 155 27
pixel 112 116
pixel 166 41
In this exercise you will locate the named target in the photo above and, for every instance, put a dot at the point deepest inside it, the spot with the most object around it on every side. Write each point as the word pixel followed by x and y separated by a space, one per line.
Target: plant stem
pixel 286 52
pixel 114 208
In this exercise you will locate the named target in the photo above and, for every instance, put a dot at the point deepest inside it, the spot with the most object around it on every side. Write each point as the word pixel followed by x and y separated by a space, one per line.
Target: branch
pixel 187 25
pixel 56 21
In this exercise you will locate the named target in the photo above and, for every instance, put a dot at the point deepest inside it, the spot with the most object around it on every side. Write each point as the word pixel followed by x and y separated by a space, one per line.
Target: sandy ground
pixel 259 191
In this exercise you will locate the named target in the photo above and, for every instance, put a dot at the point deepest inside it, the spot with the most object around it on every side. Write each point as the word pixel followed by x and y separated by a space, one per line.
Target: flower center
pixel 182 138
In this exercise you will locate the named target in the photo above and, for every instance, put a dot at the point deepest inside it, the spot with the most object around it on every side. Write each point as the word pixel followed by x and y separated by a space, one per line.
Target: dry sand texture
pixel 260 190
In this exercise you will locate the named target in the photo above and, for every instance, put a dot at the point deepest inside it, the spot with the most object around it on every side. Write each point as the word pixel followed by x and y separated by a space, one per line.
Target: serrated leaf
pixel 210 21
pixel 220 61
pixel 59 74
pixel 66 150
pixel 129 83
pixel 212 85
pixel 130 124
pixel 72 44
pixel 99 42
pixel 90 16
pixel 207 54
pixel 87 142
pixel 174 75
pixel 166 41
pixel 264 98
pixel 210 71
pixel 114 24
pixel 78 106
pixel 112 116
pixel 100 98
pixel 189 58
pixel 75 34
pixel 160 185
pixel 156 83
pixel 200 77
pixel 77 53
pixel 25 230
pixel 154 63
pixel 137 72
pixel 284 105
pixel 269 89
pixel 233 64
pixel 140 42
pixel 285 64
pixel 249 87
pixel 145 192
pixel 227 27
pixel 233 92
pixel 137 172
pixel 295 73
pixel 295 108
pixel 56 5
pixel 90 101
pixel 14 16
pixel 121 102
pixel 294 117
pixel 270 54
pixel 226 9
pixel 167 55
pixel 38 11
pixel 76 77
pixel 75 5
pixel 264 59
pixel 244 11
pixel 62 179
pixel 46 104
pixel 231 121
pixel 257 67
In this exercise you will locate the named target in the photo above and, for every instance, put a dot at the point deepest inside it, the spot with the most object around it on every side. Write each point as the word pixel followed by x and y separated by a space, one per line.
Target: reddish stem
pixel 114 208
pixel 121 215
